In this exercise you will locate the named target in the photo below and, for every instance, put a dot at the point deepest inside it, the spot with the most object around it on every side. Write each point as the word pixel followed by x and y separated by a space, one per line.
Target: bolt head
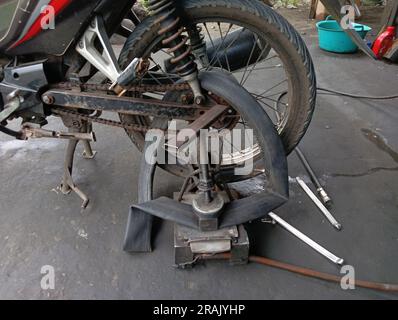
pixel 200 100
pixel 48 99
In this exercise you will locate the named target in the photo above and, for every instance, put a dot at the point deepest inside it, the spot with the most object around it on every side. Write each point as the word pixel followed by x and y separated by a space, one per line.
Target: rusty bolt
pixel 184 98
pixel 199 100
pixel 47 99
pixel 76 123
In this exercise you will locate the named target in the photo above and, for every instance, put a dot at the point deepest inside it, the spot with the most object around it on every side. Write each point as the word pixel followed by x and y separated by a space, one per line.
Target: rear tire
pixel 279 34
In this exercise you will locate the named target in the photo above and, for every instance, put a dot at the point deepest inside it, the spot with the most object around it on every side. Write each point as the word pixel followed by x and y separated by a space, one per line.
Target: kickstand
pixel 88 152
pixel 68 184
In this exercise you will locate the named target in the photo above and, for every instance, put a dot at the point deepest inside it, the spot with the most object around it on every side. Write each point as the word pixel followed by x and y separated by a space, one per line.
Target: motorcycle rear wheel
pixel 266 25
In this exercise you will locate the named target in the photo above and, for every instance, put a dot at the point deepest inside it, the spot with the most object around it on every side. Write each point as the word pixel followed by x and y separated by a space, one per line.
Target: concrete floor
pixel 40 227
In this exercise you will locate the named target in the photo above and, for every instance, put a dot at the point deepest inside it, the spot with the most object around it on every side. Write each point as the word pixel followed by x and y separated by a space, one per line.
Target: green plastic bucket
pixel 333 38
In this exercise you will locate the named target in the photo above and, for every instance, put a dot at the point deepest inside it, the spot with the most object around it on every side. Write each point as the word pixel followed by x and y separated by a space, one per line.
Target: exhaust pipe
pixel 237 50
pixel 234 51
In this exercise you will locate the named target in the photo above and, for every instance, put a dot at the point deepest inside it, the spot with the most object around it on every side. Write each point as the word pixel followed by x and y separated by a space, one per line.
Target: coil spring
pixel 170 28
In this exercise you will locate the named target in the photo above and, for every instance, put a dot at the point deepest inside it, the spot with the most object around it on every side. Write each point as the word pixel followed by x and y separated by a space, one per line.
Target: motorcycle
pixel 217 65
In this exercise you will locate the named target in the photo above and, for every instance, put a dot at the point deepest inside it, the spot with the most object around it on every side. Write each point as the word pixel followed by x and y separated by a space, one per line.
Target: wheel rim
pixel 278 110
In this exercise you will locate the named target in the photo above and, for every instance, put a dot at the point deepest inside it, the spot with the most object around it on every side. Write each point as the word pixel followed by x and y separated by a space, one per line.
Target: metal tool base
pixel 190 244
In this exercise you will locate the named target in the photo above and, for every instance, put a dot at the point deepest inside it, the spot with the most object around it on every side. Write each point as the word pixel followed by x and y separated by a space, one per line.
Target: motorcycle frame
pixel 39 53
pixel 79 28
pixel 71 21
pixel 51 51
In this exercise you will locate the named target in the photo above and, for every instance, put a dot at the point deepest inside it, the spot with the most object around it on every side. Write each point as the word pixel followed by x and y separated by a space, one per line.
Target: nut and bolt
pixel 199 100
pixel 184 98
pixel 47 99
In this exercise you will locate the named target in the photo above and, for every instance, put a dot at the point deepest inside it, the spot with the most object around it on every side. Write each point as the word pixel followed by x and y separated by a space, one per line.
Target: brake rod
pixel 29 132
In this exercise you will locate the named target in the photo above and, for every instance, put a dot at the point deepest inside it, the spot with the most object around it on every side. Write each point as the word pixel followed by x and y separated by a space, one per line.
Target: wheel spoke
pixel 250 58
pixel 273 100
pixel 266 104
pixel 224 50
pixel 220 45
pixel 271 95
pixel 243 80
pixel 273 87
pixel 168 75
pixel 213 46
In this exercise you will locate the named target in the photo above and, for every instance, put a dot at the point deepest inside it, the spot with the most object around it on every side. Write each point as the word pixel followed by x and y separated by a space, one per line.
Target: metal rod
pixel 88 152
pixel 15 134
pixel 68 184
pixel 388 287
pixel 321 250
pixel 68 166
pixel 37 133
pixel 204 170
pixel 319 204
pixel 321 191
pixel 129 105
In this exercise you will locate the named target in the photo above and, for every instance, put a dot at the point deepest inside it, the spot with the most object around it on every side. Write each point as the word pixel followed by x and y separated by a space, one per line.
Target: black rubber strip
pixel 15 134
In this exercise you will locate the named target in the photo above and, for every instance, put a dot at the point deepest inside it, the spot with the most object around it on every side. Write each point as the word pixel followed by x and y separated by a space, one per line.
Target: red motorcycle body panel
pixel 22 32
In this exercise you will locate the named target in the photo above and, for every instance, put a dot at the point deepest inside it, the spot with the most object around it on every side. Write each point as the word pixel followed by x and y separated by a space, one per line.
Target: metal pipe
pixel 204 177
pixel 37 133
pixel 319 204
pixel 327 254
pixel 88 152
pixel 15 134
pixel 321 191
pixel 386 287
pixel 67 184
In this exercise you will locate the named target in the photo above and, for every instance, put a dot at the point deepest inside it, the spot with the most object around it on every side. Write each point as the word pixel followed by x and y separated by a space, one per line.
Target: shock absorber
pixel 176 43
pixel 198 44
